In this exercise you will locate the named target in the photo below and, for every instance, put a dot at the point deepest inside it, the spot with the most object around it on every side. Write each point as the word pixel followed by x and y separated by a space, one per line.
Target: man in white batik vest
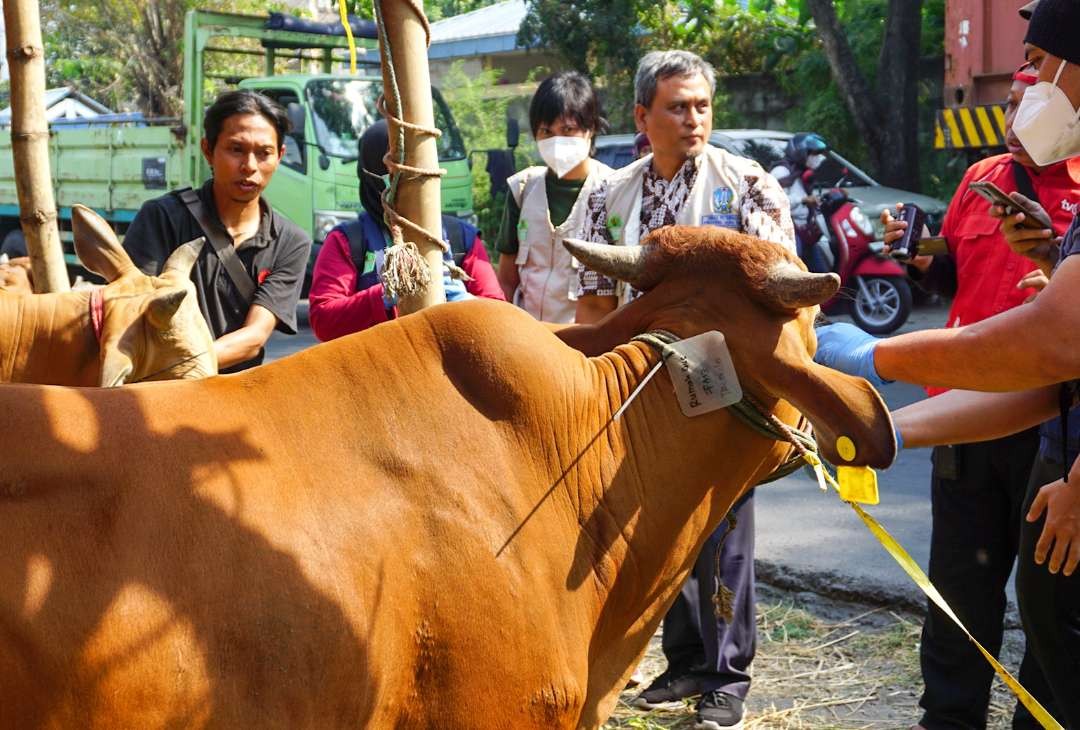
pixel 687 181
pixel 548 202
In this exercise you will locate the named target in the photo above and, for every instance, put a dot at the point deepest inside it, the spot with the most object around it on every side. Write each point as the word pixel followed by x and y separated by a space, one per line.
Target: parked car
pixel 766 146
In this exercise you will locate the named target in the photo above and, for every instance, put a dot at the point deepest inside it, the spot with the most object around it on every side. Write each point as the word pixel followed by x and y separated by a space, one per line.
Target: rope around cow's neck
pixel 751 413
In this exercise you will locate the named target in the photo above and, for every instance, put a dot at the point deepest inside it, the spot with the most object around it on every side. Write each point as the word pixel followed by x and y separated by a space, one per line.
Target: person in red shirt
pixel 347 294
pixel 978 490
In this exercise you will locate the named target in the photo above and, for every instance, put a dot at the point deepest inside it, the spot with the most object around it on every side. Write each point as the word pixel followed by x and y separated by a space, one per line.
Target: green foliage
pixel 481 117
pixel 125 53
pixel 606 38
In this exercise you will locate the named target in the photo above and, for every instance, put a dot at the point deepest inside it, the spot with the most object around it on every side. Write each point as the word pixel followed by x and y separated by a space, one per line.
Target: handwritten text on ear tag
pixel 703 374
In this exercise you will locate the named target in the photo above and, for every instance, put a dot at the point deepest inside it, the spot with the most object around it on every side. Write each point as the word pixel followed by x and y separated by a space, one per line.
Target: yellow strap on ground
pixel 901 556
pixel 349 36
pixel 912 568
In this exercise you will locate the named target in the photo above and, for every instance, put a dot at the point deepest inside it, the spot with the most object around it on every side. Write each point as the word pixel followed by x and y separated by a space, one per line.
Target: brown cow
pixel 15 275
pixel 137 327
pixel 430 524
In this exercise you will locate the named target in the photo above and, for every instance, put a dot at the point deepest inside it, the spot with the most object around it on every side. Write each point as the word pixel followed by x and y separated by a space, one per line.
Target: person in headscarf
pixel 347 293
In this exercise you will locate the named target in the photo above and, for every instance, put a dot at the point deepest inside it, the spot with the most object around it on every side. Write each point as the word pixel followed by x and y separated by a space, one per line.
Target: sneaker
pixel 718 711
pixel 667 692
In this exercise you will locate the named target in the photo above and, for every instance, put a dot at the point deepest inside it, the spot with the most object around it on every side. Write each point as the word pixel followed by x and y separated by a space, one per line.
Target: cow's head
pixel 151 327
pixel 764 301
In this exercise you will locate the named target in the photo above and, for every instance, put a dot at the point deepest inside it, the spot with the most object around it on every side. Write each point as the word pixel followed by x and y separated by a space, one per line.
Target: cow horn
pixel 184 257
pixel 163 306
pixel 639 266
pixel 792 288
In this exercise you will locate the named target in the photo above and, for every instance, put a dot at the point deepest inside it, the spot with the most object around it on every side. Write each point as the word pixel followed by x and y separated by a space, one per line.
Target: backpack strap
pixel 354 231
pixel 457 231
pixel 225 250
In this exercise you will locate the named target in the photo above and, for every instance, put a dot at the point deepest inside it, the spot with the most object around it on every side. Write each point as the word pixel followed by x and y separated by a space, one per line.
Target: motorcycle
pixel 873 287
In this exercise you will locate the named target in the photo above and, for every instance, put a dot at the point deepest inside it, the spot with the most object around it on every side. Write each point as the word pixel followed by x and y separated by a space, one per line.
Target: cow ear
pixel 163 305
pixel 851 422
pixel 97 245
pixel 116 365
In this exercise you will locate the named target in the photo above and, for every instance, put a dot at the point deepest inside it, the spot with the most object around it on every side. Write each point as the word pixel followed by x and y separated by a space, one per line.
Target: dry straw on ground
pixel 823 663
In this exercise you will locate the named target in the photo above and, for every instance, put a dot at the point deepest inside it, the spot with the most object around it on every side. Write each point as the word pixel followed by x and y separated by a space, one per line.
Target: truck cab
pixel 317 178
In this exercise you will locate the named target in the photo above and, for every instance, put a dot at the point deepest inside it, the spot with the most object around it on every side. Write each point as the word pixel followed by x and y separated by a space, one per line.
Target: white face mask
pixel 814 161
pixel 563 154
pixel 1046 123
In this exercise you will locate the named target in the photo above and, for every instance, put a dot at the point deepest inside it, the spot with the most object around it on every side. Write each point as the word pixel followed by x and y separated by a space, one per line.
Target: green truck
pixel 114 167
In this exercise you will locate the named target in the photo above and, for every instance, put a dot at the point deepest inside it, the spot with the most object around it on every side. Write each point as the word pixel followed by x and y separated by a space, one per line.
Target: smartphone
pixel 907 247
pixel 996 196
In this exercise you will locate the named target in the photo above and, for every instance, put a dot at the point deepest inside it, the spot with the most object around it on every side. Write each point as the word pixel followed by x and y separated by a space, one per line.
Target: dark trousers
pixel 1050 611
pixel 977 496
pixel 694 640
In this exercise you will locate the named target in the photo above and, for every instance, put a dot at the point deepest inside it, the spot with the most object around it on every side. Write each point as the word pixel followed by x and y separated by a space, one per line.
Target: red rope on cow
pixel 97 312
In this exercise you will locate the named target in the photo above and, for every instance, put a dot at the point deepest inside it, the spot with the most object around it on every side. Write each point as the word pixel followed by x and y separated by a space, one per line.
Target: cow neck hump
pixel 47 338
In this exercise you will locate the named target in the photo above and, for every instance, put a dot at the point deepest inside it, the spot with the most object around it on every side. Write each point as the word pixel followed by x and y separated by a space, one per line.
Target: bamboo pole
pixel 30 145
pixel 418 197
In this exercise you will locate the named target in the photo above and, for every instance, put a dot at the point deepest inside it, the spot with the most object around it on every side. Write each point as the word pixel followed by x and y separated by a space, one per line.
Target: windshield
pixel 769 152
pixel 342 109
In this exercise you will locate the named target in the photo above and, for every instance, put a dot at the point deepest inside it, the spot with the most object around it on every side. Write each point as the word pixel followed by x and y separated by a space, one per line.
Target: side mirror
pixel 297 118
pixel 513 132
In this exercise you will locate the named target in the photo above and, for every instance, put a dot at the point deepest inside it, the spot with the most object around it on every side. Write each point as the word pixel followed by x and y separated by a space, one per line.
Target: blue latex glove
pixel 454 288
pixel 847 348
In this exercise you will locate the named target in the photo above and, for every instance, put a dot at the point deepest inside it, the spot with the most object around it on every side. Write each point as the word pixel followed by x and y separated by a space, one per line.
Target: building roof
pixel 492 29
pixel 64 103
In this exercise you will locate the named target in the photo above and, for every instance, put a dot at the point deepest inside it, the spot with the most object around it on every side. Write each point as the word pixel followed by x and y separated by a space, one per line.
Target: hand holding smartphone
pixel 996 196
pixel 907 247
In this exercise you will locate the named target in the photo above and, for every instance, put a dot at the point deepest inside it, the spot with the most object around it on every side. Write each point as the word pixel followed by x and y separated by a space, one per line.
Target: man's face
pixel 1047 66
pixel 245 156
pixel 679 120
pixel 1012 142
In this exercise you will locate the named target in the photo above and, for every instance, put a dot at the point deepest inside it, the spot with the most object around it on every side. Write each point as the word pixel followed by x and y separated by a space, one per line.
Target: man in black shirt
pixel 243 142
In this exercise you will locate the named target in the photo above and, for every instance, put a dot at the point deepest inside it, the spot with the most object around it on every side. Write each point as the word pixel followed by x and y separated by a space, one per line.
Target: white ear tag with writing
pixel 703 374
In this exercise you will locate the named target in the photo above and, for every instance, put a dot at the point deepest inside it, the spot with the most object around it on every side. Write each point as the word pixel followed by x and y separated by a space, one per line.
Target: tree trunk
pixel 887 120
pixel 898 95
pixel 853 86
pixel 418 197
pixel 30 145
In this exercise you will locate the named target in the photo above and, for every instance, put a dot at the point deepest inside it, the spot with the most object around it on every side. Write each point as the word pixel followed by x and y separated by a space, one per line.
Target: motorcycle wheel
pixel 882 304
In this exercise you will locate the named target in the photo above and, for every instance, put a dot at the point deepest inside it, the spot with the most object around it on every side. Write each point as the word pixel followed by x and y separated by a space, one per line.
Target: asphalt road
pixel 810 540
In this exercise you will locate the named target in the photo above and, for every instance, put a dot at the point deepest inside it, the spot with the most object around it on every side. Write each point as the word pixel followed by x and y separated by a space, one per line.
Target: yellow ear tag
pixel 846 448
pixel 857 484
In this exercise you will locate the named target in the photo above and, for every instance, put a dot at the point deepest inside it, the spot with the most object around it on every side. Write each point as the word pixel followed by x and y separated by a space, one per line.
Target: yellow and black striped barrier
pixel 970 127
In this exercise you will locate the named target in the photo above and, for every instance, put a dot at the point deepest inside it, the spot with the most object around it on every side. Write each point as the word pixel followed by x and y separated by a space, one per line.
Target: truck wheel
pixel 882 304
pixel 14 244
